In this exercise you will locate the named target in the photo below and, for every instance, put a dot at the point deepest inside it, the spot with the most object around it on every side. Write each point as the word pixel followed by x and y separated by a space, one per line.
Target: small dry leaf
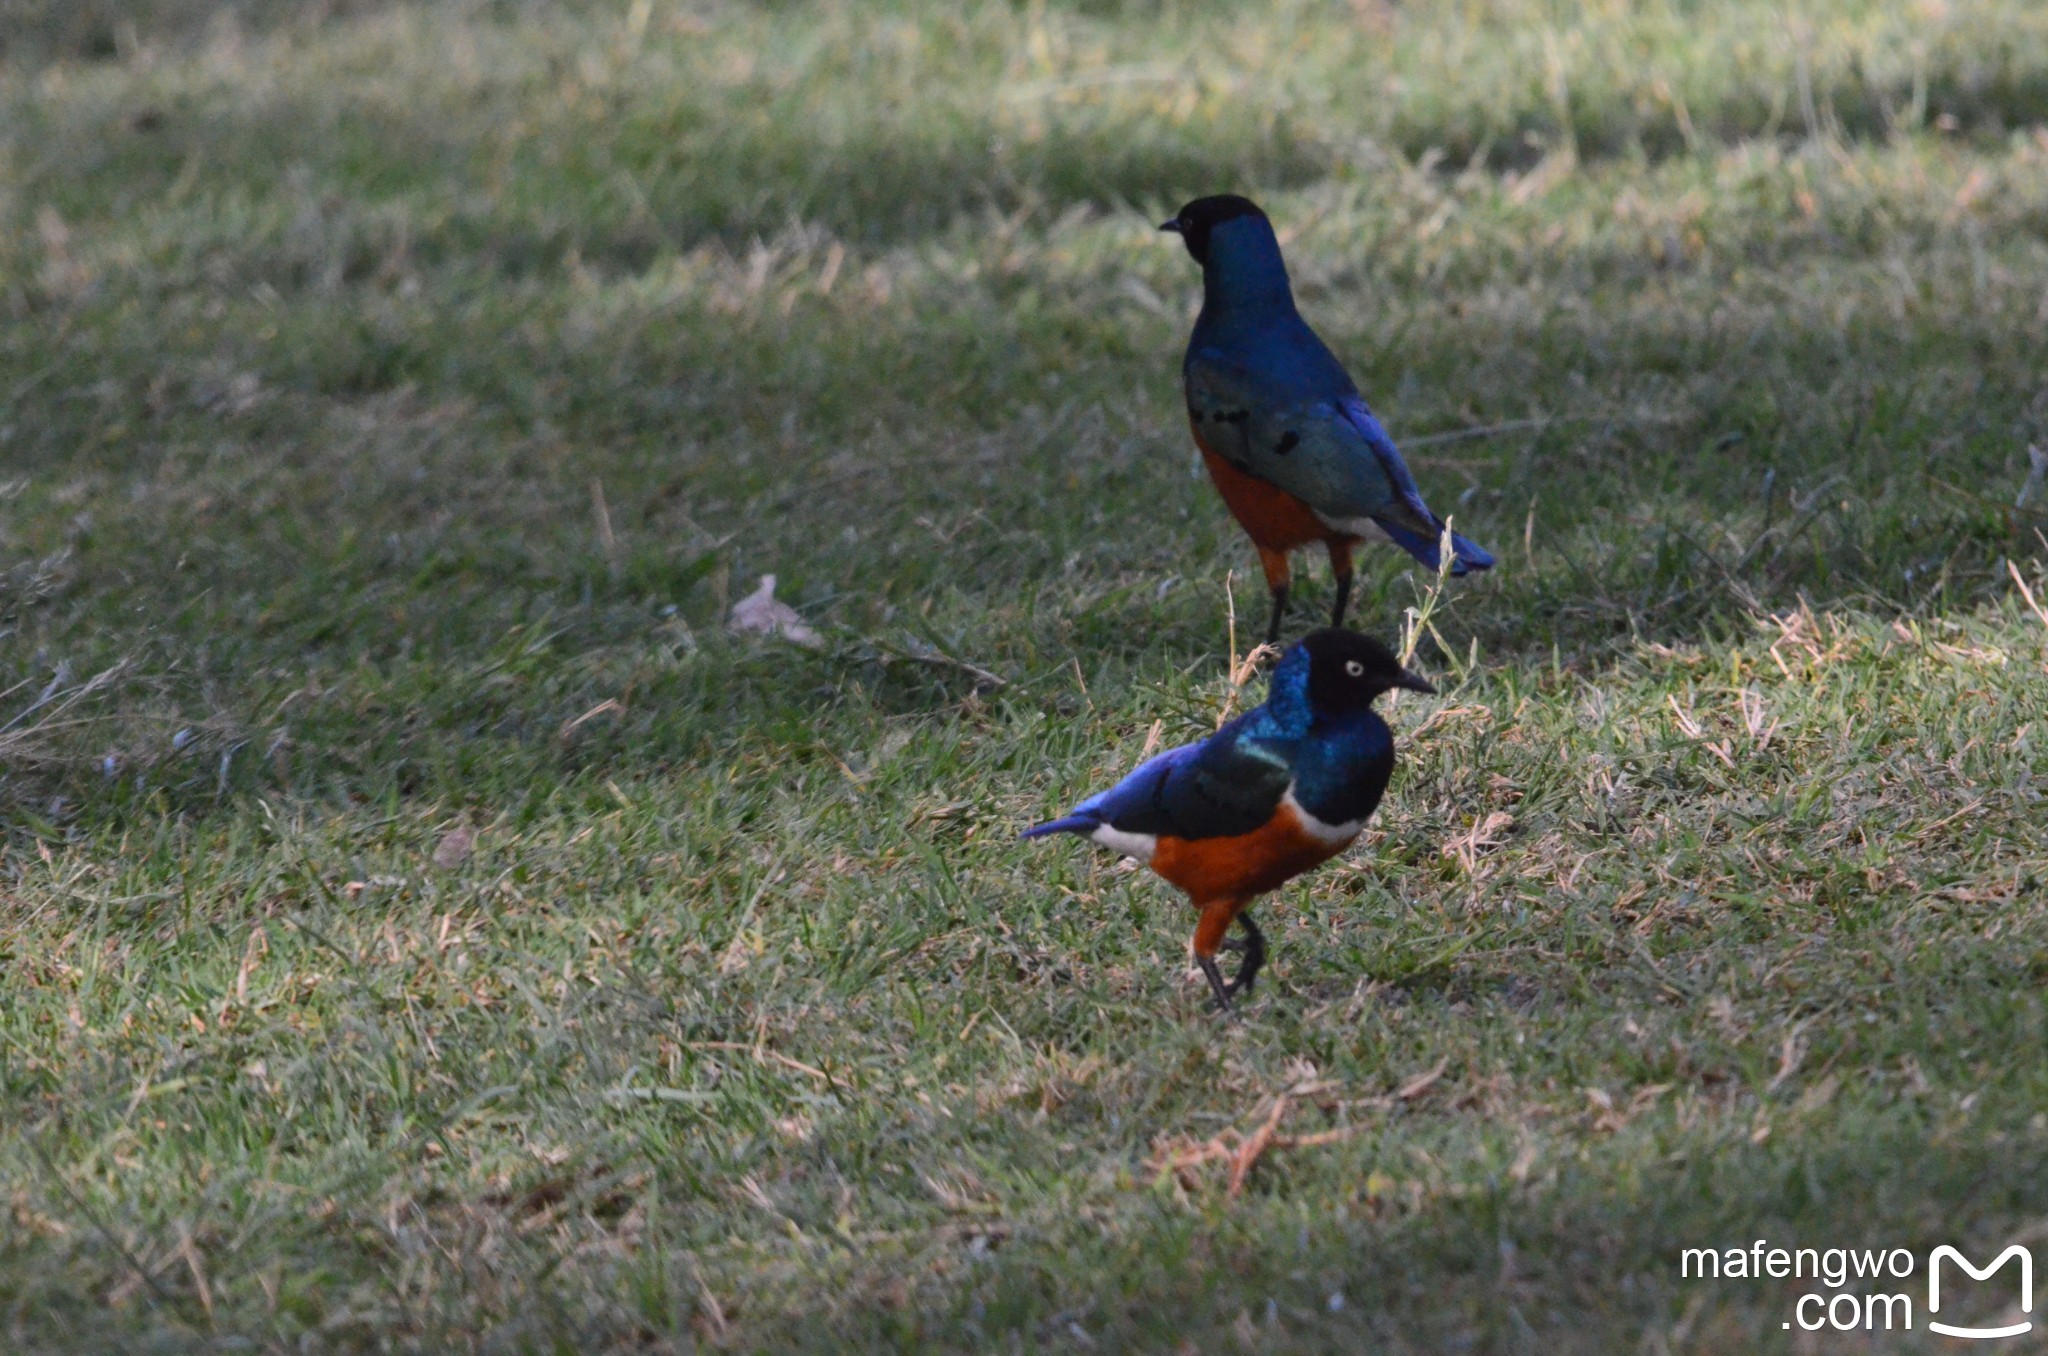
pixel 760 614
pixel 453 849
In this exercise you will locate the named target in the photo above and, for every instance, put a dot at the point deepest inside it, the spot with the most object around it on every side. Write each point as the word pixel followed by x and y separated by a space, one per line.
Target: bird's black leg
pixel 1279 613
pixel 1254 955
pixel 1279 573
pixel 1215 982
pixel 1343 598
pixel 1340 570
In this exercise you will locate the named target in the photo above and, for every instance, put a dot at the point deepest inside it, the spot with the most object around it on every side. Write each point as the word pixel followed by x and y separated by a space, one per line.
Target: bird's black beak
pixel 1415 682
pixel 1173 226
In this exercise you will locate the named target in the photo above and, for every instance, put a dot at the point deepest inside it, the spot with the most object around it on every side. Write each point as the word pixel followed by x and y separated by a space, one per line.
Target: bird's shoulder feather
pixel 1227 784
pixel 1326 450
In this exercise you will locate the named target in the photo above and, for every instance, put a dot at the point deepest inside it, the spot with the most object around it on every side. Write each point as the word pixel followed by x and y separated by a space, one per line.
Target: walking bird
pixel 1274 793
pixel 1293 448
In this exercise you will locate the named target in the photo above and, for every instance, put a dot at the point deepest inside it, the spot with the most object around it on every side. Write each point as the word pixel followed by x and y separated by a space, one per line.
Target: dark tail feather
pixel 1080 824
pixel 1466 556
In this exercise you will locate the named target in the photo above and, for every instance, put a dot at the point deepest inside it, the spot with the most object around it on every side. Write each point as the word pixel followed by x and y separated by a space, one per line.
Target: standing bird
pixel 1292 446
pixel 1274 793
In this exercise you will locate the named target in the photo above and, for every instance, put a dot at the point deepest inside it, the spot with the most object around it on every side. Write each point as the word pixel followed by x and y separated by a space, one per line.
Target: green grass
pixel 395 397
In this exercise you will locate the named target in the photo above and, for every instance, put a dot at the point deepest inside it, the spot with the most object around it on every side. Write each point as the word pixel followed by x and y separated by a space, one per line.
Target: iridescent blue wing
pixel 1327 450
pixel 1225 785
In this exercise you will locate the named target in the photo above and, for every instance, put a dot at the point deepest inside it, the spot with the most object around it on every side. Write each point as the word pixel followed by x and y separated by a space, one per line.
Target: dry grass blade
pixel 1248 1153
pixel 28 740
pixel 1241 1151
pixel 1422 1082
pixel 2032 605
pixel 918 652
pixel 1416 620
pixel 1241 673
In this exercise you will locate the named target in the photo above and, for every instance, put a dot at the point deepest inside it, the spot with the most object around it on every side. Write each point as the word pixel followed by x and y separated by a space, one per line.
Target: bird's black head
pixel 1346 671
pixel 1203 215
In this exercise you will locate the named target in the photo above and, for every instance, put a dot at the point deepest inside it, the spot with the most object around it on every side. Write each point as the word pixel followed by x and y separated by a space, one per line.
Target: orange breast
pixel 1246 865
pixel 1271 516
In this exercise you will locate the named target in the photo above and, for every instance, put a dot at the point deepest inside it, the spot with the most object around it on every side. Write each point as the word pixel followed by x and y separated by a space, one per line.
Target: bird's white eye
pixel 1354 668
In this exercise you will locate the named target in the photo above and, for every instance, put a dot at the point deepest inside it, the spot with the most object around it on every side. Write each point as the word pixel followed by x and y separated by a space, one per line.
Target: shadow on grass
pixel 972 451
pixel 687 159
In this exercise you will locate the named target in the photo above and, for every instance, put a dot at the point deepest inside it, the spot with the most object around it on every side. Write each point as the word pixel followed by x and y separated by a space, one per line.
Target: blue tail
pixel 1466 556
pixel 1081 824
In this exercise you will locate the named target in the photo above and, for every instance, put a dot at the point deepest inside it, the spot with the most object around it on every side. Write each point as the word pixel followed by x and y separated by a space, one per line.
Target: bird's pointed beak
pixel 1173 225
pixel 1415 682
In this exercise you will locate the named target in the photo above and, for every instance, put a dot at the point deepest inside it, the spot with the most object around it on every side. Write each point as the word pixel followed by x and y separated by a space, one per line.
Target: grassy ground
pixel 424 927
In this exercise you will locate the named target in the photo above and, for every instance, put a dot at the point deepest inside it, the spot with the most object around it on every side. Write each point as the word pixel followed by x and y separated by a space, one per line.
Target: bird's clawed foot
pixel 1253 945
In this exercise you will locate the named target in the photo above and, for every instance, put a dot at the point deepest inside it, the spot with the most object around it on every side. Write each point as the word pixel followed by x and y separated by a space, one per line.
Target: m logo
pixel 1980 1274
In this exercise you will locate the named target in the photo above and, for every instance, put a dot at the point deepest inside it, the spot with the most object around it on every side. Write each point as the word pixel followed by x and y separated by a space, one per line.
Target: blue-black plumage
pixel 1276 791
pixel 1295 450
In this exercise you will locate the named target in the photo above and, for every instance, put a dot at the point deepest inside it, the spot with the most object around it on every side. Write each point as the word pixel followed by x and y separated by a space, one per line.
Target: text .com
pixel 1851 1300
